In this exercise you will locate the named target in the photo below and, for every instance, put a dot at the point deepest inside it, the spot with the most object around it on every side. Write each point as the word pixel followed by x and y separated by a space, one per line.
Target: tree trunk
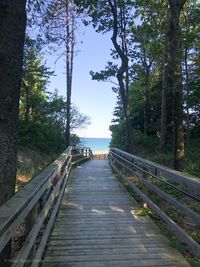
pixel 12 32
pixel 146 100
pixel 123 69
pixel 176 81
pixel 164 103
pixel 187 97
pixel 68 83
pixel 70 19
pixel 186 51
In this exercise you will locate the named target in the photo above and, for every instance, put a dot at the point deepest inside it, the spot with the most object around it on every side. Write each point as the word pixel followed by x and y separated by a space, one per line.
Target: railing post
pixel 145 176
pixel 30 221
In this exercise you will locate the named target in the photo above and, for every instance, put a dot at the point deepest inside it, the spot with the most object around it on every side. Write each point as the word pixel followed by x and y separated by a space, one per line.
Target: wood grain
pixel 97 226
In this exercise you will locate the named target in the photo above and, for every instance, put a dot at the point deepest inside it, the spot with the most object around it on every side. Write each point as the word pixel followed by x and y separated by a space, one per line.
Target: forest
pixel 154 72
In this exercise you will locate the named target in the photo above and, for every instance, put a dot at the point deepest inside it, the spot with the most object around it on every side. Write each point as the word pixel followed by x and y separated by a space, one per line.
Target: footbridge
pixel 82 212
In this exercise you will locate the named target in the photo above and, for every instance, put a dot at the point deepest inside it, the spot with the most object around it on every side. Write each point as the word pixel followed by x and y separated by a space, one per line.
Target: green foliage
pixel 143 212
pixel 105 75
pixel 43 114
pixel 148 35
pixel 193 158
pixel 118 135
pixel 46 137
pixel 142 139
pixel 75 140
pixel 162 158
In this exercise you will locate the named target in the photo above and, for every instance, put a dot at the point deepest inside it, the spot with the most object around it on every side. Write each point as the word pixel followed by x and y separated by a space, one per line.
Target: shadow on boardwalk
pixel 96 226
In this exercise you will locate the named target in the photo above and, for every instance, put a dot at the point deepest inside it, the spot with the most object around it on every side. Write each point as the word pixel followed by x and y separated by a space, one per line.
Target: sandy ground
pixel 99 152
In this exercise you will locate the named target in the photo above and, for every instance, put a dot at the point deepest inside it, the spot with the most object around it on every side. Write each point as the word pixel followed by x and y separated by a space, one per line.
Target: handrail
pixel 157 169
pixel 144 170
pixel 33 204
pixel 162 180
pixel 86 151
pixel 91 155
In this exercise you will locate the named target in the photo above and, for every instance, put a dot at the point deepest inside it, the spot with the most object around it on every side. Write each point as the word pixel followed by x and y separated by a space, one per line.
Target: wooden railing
pixel 101 156
pixel 149 174
pixel 35 206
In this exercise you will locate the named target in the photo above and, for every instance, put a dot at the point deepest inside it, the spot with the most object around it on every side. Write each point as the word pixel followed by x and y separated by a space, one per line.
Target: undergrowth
pixel 30 162
pixel 191 228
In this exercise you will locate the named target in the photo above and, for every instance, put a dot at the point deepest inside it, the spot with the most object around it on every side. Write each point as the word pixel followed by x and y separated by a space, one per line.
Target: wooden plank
pixel 128 263
pixel 64 251
pixel 115 257
pixel 99 227
pixel 40 250
pixel 21 205
pixel 131 241
pixel 106 246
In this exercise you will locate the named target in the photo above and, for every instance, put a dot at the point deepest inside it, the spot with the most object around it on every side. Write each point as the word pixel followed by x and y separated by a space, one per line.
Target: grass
pixel 30 162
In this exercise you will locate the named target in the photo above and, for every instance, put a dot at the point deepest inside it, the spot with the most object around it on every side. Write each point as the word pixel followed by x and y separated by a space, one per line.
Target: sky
pixel 93 98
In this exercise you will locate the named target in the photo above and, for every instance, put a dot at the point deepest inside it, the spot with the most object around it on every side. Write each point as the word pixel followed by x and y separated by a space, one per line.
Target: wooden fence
pixel 145 171
pixel 36 206
pixel 100 156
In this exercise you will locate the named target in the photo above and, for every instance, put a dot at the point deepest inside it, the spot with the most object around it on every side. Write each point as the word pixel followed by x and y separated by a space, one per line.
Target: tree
pixel 35 79
pixel 176 7
pixel 43 114
pixel 70 24
pixel 151 41
pixel 58 21
pixel 113 16
pixel 167 36
pixel 190 47
pixel 12 32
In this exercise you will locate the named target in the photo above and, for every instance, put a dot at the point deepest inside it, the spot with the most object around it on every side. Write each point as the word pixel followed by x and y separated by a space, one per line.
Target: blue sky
pixel 93 98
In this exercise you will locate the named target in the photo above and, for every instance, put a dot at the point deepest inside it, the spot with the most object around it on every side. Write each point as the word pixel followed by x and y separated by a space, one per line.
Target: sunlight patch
pixel 98 211
pixel 116 209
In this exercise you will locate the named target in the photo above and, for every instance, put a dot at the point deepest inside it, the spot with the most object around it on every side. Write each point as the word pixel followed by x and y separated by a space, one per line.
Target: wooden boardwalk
pixel 96 226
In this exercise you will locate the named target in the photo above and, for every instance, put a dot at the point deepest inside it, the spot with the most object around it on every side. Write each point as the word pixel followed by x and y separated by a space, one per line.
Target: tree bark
pixel 187 97
pixel 146 99
pixel 164 103
pixel 68 93
pixel 176 81
pixel 12 32
pixel 186 51
pixel 165 84
pixel 70 10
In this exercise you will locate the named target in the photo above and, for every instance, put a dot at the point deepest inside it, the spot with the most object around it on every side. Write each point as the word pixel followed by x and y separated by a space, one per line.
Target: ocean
pixel 96 144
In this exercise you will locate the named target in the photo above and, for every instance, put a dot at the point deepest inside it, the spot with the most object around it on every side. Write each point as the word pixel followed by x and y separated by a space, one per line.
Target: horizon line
pixel 94 137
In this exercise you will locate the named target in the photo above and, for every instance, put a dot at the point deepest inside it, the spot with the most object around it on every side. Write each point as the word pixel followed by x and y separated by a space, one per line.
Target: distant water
pixel 96 144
